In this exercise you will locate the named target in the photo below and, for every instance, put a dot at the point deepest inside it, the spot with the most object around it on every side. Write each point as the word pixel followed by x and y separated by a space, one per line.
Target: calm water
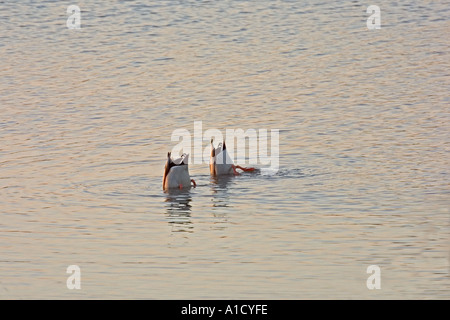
pixel 86 122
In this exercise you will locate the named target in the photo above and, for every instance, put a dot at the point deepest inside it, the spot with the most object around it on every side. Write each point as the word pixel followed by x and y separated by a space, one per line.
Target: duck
pixel 220 162
pixel 176 173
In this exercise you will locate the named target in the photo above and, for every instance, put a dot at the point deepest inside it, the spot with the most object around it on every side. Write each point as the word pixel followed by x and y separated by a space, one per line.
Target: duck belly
pixel 223 169
pixel 178 176
pixel 223 163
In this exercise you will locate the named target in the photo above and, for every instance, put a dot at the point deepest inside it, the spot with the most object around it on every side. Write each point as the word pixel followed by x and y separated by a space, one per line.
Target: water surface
pixel 86 122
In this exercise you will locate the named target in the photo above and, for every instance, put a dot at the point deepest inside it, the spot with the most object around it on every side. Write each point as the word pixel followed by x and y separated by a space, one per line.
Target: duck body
pixel 220 162
pixel 176 173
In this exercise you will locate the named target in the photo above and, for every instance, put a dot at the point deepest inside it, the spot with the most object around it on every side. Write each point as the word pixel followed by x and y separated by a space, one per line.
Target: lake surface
pixel 86 122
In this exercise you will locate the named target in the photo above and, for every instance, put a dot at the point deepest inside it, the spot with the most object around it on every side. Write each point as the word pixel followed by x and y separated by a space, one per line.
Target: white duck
pixel 176 173
pixel 220 162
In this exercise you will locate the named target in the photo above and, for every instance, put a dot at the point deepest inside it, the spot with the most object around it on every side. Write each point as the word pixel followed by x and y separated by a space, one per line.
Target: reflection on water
pixel 219 187
pixel 178 209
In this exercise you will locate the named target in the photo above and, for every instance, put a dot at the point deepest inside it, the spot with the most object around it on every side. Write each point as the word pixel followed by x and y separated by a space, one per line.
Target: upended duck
pixel 220 162
pixel 176 173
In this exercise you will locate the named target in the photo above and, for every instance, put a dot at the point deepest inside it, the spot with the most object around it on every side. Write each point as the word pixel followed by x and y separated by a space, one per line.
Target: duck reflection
pixel 220 187
pixel 179 210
